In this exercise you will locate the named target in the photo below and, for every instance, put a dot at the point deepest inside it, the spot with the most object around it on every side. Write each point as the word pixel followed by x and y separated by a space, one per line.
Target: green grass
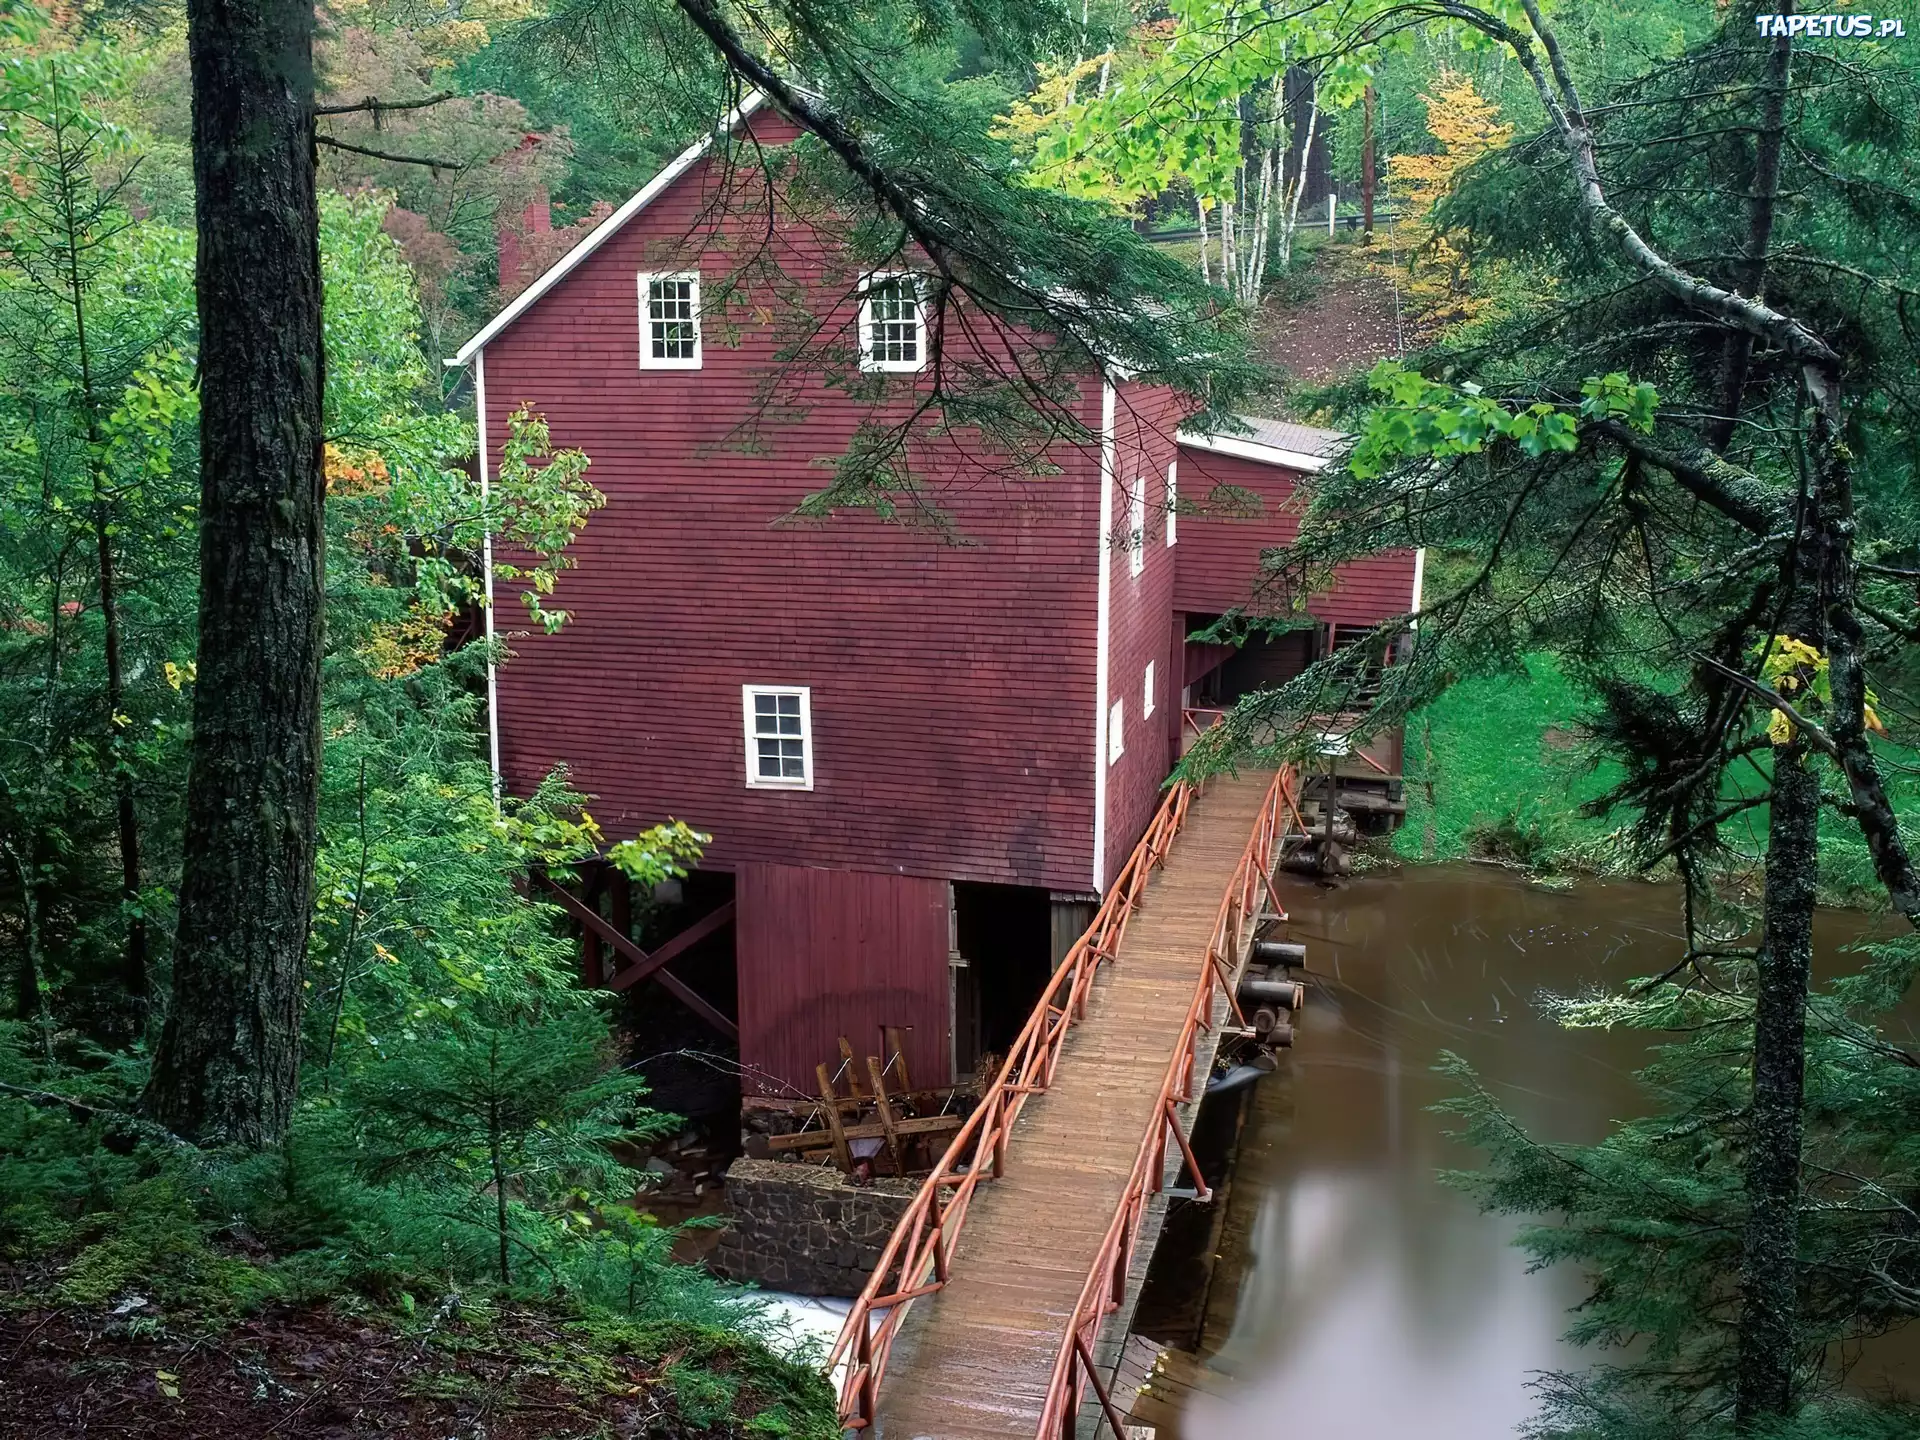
pixel 1498 767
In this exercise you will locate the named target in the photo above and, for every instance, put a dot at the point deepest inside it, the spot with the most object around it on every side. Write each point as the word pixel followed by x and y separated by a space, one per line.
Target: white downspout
pixel 1101 638
pixel 486 565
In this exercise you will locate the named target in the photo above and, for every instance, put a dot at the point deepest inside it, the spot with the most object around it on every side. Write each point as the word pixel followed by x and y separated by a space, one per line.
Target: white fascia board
pixel 606 230
pixel 1103 644
pixel 1253 450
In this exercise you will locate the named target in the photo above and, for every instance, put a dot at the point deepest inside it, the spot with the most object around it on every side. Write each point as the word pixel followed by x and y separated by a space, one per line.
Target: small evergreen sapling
pixel 504 1125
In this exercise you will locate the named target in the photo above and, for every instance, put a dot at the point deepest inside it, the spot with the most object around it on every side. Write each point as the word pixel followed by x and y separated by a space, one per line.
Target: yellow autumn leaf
pixel 1779 728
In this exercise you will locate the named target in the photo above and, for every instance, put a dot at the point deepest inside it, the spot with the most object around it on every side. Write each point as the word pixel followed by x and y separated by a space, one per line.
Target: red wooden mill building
pixel 920 763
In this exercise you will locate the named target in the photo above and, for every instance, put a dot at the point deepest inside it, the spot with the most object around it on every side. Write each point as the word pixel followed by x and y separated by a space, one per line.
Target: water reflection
pixel 1355 1296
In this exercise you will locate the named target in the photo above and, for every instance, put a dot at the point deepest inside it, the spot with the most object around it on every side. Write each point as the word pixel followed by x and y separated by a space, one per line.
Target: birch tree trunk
pixel 1262 227
pixel 1200 210
pixel 1291 222
pixel 1228 252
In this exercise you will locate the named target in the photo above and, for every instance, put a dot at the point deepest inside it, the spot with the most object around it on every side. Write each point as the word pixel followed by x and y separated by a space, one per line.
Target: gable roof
pixel 1273 442
pixel 607 229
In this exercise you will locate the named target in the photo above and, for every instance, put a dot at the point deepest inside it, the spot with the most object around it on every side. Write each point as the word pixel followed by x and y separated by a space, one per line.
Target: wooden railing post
pixel 1093 1375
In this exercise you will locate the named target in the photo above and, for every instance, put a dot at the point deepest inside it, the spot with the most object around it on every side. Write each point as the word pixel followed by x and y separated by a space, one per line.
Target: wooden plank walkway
pixel 976 1359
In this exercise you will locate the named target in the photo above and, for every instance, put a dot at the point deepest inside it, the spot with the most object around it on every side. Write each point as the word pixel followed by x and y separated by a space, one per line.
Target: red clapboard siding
pixel 1145 421
pixel 1219 557
pixel 952 685
pixel 826 953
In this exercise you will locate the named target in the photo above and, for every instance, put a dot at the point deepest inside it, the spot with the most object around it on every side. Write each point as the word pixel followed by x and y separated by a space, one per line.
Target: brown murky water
pixel 1355 1296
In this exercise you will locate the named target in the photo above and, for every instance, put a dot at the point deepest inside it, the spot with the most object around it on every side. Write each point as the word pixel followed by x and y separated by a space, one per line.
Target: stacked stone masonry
pixel 804 1228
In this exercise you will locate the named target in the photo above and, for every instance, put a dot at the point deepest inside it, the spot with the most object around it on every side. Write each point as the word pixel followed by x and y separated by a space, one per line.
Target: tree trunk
pixel 30 996
pixel 228 1059
pixel 1769 1333
pixel 495 1143
pixel 1736 357
pixel 1290 222
pixel 1366 167
pixel 134 954
pixel 1228 255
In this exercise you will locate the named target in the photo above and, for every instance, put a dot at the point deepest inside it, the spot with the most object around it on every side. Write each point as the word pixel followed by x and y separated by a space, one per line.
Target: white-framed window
pixel 670 320
pixel 779 729
pixel 1137 527
pixel 1173 500
pixel 1146 692
pixel 893 324
pixel 1116 732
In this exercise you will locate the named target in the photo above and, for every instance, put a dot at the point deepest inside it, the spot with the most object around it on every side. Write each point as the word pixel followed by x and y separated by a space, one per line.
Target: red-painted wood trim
pixel 692 935
pixel 636 956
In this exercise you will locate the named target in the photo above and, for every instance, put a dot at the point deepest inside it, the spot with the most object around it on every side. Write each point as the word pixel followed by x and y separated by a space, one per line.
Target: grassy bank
pixel 1499 768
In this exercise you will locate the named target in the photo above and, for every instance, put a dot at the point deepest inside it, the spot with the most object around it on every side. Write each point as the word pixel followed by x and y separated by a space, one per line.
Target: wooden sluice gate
pixel 1001 1300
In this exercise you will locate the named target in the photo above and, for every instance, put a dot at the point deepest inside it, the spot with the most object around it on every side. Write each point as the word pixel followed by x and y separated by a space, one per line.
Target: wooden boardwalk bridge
pixel 984 1315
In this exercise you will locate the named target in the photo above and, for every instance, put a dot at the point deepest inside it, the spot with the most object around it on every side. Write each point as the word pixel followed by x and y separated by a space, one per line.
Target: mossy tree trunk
pixel 228 1058
pixel 1769 1331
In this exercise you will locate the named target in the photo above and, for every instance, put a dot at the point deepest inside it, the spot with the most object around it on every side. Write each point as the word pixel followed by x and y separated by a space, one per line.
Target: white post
pixel 1333 204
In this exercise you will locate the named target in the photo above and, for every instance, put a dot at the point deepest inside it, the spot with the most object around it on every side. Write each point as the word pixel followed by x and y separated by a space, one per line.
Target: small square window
pixel 1146 689
pixel 1116 732
pixel 1173 501
pixel 893 327
pixel 779 736
pixel 670 322
pixel 1137 528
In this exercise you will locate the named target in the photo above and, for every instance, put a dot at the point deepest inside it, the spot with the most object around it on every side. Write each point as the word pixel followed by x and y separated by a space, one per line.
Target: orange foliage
pixel 1440 289
pixel 364 474
pixel 395 649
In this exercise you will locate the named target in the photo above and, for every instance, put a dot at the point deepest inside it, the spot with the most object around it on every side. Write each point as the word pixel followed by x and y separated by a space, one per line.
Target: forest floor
pixel 320 1372
pixel 1336 314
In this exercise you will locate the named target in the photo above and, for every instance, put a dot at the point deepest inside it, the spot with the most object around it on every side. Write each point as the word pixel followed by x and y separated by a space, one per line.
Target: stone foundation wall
pixel 805 1228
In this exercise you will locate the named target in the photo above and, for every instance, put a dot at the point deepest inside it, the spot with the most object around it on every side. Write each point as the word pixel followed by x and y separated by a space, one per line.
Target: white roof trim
pixel 1254 450
pixel 605 230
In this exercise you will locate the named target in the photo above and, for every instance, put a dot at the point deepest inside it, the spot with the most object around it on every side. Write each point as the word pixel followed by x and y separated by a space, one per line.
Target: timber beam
pixel 642 965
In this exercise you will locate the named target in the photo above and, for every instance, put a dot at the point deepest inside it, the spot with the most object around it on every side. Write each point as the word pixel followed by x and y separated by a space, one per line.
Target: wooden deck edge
pixel 1110 1349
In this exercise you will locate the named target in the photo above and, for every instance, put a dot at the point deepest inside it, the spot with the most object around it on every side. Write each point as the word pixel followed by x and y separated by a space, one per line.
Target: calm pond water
pixel 1355 1296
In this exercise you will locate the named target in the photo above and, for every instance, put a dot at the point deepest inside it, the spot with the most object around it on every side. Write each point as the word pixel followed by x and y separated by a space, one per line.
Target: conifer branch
pixel 1736 493
pixel 1822 741
pixel 430 162
pixel 377 107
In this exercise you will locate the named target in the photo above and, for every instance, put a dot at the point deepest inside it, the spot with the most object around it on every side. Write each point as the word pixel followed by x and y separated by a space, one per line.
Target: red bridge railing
pixel 1106 1285
pixel 918 1255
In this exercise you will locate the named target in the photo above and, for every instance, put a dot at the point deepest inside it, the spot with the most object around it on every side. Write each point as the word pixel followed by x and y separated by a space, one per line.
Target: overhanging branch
pixel 1736 493
pixel 377 107
pixel 431 163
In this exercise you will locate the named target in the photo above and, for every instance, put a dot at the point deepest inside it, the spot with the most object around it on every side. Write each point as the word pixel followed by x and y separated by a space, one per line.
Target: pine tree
pixel 227 1065
pixel 502 1124
pixel 1680 468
